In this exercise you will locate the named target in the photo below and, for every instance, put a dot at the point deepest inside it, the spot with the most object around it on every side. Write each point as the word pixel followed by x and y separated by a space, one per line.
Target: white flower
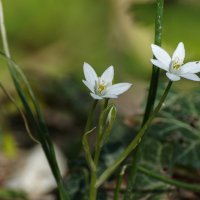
pixel 101 87
pixel 175 66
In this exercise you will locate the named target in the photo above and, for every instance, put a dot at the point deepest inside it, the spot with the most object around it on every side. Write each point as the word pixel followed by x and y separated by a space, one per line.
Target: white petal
pixel 161 55
pixel 192 77
pixel 90 75
pixel 179 52
pixel 90 87
pixel 108 75
pixel 110 96
pixel 95 96
pixel 190 67
pixel 157 63
pixel 172 77
pixel 118 89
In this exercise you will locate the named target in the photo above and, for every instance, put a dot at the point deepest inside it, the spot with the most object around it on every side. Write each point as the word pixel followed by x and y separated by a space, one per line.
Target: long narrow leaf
pixel 87 150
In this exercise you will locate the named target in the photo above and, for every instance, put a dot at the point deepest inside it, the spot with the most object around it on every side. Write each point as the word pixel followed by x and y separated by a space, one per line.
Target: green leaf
pixel 36 120
pixel 152 158
pixel 179 126
pixel 87 150
pixel 173 140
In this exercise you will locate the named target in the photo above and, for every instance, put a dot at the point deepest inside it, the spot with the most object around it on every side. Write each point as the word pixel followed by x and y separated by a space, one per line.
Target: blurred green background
pixel 55 38
pixel 51 39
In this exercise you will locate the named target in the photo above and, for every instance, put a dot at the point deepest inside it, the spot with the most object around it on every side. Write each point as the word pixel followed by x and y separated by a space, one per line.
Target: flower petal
pixel 172 77
pixel 179 52
pixel 90 75
pixel 161 55
pixel 190 67
pixel 95 96
pixel 108 75
pixel 88 85
pixel 118 89
pixel 192 77
pixel 157 63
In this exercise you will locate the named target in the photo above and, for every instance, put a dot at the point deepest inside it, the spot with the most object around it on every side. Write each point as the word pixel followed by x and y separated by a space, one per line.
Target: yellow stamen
pixel 101 88
pixel 176 66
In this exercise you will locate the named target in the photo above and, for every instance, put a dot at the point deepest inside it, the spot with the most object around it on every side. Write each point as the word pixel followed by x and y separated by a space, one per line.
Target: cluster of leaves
pixel 172 143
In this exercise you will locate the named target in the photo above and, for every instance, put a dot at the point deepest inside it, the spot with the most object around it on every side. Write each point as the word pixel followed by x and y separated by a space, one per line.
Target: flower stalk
pixel 119 183
pixel 135 142
pixel 90 116
pixel 101 88
pixel 106 120
pixel 150 99
pixel 155 71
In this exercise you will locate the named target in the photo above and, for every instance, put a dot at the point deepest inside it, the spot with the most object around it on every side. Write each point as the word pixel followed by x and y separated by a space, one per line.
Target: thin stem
pixel 135 141
pixel 93 189
pixel 155 70
pixel 90 115
pixel 40 126
pixel 3 32
pixel 105 103
pixel 20 111
pixel 179 184
pixel 151 97
pixel 119 183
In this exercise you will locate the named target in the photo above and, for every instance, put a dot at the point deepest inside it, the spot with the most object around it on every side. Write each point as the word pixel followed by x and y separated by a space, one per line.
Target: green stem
pixel 105 103
pixel 135 141
pixel 151 97
pixel 155 70
pixel 87 151
pixel 93 189
pixel 119 183
pixel 179 184
pixel 20 111
pixel 90 115
pixel 3 32
pixel 39 124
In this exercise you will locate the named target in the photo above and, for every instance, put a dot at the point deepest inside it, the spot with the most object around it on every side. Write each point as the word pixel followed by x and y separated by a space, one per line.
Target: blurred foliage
pixel 181 23
pixel 7 194
pixel 9 145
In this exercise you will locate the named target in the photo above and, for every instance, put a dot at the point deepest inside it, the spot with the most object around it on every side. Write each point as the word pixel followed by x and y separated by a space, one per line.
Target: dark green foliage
pixel 77 184
pixel 172 142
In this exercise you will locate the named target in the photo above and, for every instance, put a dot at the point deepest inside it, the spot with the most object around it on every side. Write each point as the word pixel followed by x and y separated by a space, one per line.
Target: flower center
pixel 101 86
pixel 175 65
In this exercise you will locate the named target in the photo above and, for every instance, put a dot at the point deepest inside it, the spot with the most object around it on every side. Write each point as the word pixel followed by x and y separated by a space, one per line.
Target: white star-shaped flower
pixel 101 87
pixel 175 66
